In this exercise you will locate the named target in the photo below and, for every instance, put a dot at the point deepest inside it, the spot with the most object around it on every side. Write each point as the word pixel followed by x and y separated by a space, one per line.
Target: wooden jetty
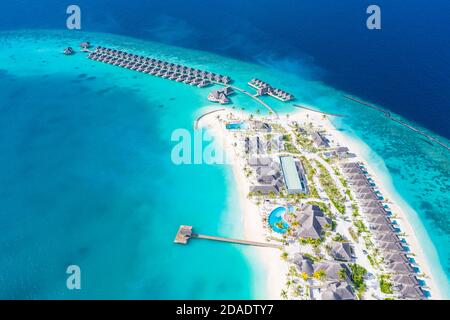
pixel 204 115
pixel 253 97
pixel 185 233
pixel 317 111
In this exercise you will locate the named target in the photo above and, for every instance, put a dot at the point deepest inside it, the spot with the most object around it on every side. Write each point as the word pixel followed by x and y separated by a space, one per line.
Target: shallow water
pixel 86 161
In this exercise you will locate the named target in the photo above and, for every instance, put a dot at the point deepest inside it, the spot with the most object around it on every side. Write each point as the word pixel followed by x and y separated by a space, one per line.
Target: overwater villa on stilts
pixel 264 88
pixel 158 68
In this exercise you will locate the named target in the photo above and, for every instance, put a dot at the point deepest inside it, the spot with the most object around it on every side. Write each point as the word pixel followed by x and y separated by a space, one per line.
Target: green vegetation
pixel 310 173
pixel 339 238
pixel 371 260
pixel 289 147
pixel 305 143
pixel 353 234
pixel 319 275
pixel 313 242
pixel 355 211
pixel 357 274
pixel 385 285
pixel 360 226
pixel 342 274
pixel 327 211
pixel 331 189
pixel 312 258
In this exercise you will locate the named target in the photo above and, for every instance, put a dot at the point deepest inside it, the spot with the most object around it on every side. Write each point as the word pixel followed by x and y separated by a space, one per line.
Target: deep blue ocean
pixel 107 202
pixel 404 67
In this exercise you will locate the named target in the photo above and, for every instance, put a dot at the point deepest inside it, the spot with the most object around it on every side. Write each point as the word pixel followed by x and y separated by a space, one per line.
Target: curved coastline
pixel 380 169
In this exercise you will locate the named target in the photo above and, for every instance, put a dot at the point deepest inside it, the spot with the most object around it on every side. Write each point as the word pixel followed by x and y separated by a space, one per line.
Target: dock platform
pixel 185 233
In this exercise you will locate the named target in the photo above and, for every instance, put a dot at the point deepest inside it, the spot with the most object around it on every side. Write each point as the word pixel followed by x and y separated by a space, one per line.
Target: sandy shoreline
pixel 253 226
pixel 273 267
pixel 363 153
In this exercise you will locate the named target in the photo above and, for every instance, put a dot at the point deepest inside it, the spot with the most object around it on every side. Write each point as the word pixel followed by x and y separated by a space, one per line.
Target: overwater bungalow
pixel 218 96
pixel 85 45
pixel 203 83
pixel 68 51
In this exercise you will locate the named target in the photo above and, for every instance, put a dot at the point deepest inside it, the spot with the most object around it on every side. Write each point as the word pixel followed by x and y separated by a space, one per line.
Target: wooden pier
pixel 204 115
pixel 317 111
pixel 253 97
pixel 185 233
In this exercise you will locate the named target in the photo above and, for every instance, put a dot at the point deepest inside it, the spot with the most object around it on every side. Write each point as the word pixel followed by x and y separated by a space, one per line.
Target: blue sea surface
pixel 85 147
pixel 88 180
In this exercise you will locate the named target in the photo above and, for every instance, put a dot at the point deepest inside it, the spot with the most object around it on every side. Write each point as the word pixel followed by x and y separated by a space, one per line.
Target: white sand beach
pixel 275 269
pixel 253 224
pixel 384 184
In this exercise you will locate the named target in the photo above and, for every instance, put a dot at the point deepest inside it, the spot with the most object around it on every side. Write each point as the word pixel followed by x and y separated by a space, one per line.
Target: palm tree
pixel 305 276
pixel 319 274
pixel 342 274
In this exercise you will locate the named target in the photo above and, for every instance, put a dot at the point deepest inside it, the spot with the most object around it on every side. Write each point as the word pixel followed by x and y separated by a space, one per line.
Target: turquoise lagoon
pixel 88 180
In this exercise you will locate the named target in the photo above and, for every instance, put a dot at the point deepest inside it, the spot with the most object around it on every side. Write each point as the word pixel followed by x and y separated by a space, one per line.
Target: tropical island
pixel 303 190
pixel 303 187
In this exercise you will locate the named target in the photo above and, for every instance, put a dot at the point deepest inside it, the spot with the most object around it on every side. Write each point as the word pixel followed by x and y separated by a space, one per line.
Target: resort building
pixel 405 280
pixel 268 177
pixel 68 51
pixel 85 45
pixel 220 95
pixel 338 291
pixel 264 88
pixel 319 140
pixel 262 126
pixel 341 251
pixel 410 292
pixel 312 222
pixel 332 270
pixel 294 175
pixel 163 69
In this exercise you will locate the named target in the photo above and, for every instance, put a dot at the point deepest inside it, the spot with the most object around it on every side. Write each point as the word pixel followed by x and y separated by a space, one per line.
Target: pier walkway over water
pixel 185 233
pixel 324 113
pixel 204 115
pixel 388 115
pixel 251 96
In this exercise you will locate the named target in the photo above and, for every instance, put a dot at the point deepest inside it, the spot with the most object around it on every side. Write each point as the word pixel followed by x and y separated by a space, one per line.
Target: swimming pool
pixel 276 219
pixel 236 125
